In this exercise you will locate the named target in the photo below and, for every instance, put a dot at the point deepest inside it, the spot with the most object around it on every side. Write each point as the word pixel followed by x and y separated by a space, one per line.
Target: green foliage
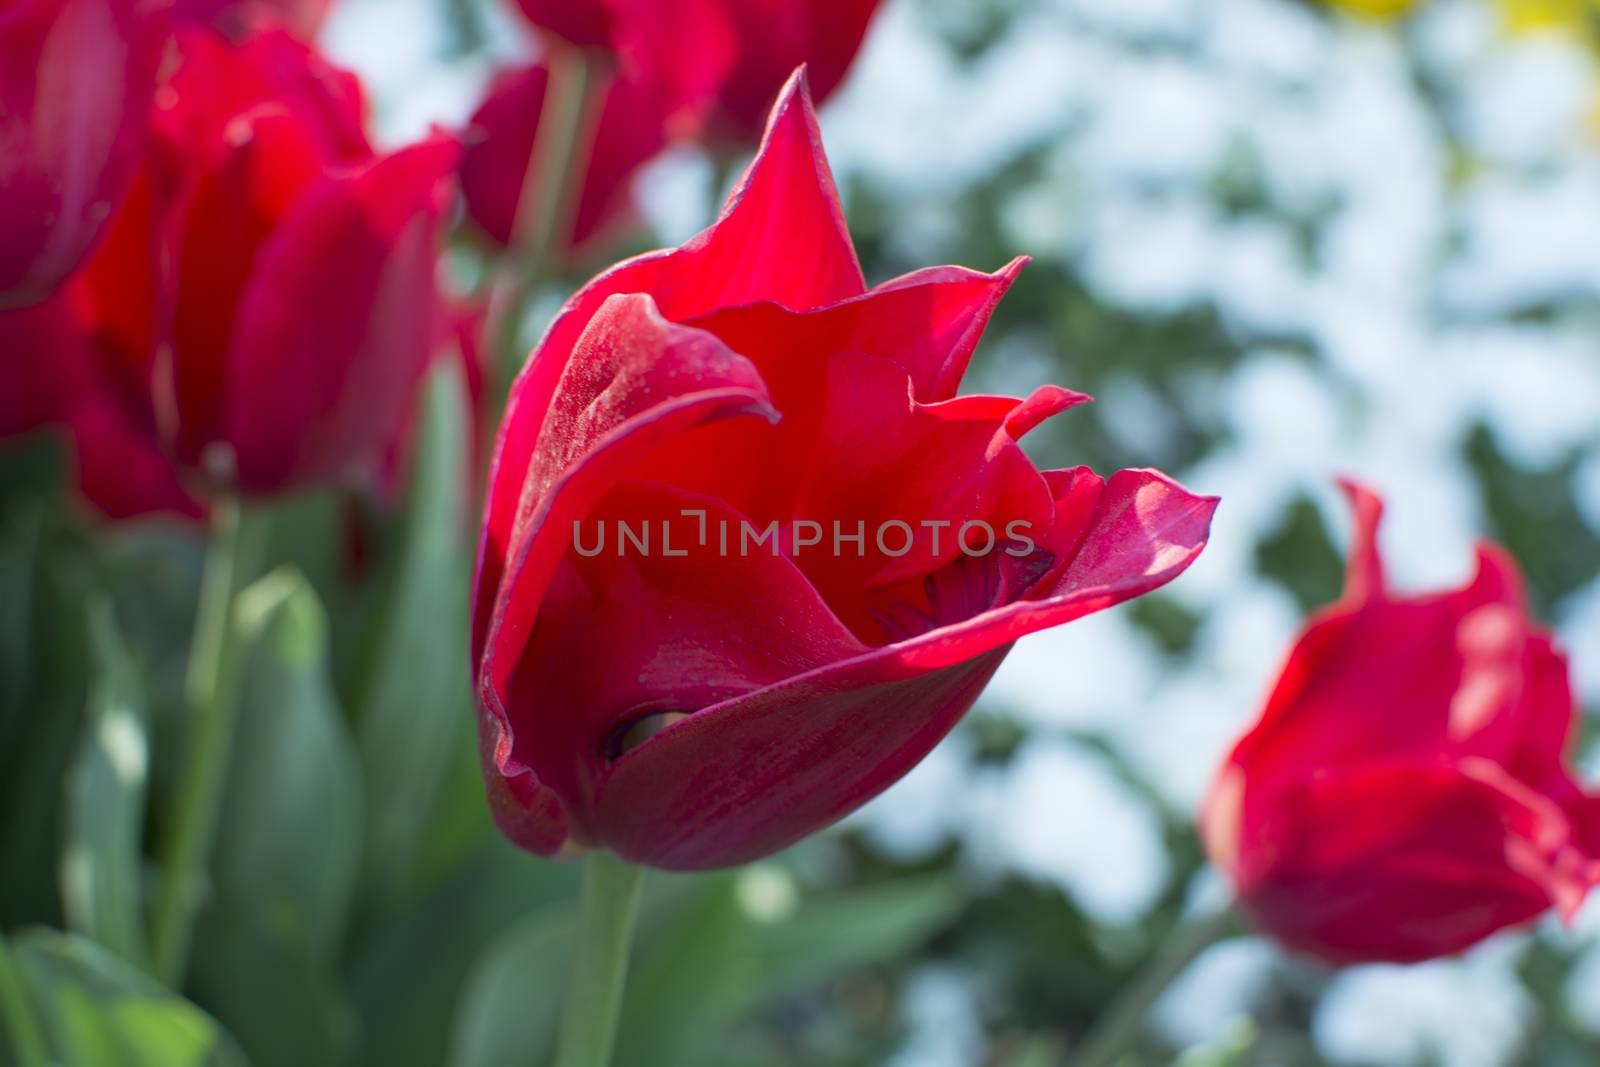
pixel 102 866
pixel 712 950
pixel 288 840
pixel 93 1009
pixel 414 699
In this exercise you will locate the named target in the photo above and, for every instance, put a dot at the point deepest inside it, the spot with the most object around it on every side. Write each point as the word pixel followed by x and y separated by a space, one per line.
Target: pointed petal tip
pixel 1364 578
pixel 1498 569
pixel 1042 404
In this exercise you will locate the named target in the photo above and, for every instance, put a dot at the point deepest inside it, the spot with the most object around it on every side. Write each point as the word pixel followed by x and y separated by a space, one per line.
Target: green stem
pixel 211 696
pixel 550 187
pixel 17 1013
pixel 607 912
pixel 1114 1033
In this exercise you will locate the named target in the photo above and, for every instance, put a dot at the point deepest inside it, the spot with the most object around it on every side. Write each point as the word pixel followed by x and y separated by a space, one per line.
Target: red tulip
pixel 75 82
pixel 1403 794
pixel 266 301
pixel 678 53
pixel 775 36
pixel 586 23
pixel 47 357
pixel 716 59
pixel 302 17
pixel 701 706
pixel 499 146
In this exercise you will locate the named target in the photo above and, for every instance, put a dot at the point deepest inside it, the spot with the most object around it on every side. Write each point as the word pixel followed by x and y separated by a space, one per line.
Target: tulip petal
pixel 744 779
pixel 786 200
pixel 336 324
pixel 586 23
pixel 599 661
pixel 882 458
pixel 121 470
pixel 1391 677
pixel 500 143
pixel 234 204
pixel 741 779
pixel 635 380
pixel 1401 861
pixel 774 37
pixel 1363 579
pixel 43 360
pixel 927 323
pixel 1144 531
pixel 76 80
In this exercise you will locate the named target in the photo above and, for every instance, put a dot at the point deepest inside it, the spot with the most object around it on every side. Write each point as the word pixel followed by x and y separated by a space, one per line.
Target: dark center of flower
pixel 632 733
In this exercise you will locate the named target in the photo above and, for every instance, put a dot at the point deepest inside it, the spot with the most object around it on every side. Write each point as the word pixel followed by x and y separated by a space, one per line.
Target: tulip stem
pixel 211 697
pixel 607 911
pixel 1114 1033
pixel 548 200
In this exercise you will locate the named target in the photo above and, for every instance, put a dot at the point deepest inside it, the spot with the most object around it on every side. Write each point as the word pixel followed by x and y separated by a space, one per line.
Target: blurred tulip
pixel 678 53
pixel 75 83
pixel 700 69
pixel 701 705
pixel 499 144
pixel 301 17
pixel 266 302
pixel 1403 795
pixel 775 37
pixel 120 470
pixel 585 23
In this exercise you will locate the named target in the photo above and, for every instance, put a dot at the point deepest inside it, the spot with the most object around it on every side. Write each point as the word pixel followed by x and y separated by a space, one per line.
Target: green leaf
pixel 102 862
pixel 20 551
pixel 415 698
pixel 96 1010
pixel 511 1005
pixel 40 739
pixel 719 947
pixel 692 969
pixel 837 932
pixel 409 977
pixel 288 840
pixel 711 950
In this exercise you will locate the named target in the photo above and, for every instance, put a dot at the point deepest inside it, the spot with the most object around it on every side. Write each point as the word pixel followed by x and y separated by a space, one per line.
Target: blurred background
pixel 1277 241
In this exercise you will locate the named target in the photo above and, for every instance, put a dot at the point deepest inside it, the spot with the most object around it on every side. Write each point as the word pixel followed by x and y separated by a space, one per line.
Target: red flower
pixel 736 53
pixel 302 17
pixel 266 301
pixel 1403 795
pixel 75 82
pixel 703 705
pixel 499 145
pixel 586 23
pixel 48 359
pixel 699 68
pixel 775 36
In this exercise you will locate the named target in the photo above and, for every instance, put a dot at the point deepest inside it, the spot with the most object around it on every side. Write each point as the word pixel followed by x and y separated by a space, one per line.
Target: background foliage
pixel 1276 241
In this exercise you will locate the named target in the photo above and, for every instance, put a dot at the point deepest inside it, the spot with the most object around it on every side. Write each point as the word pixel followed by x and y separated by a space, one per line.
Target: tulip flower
pixel 47 357
pixel 721 60
pixel 775 36
pixel 704 703
pixel 1403 794
pixel 697 69
pixel 301 17
pixel 266 302
pixel 76 78
pixel 630 129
